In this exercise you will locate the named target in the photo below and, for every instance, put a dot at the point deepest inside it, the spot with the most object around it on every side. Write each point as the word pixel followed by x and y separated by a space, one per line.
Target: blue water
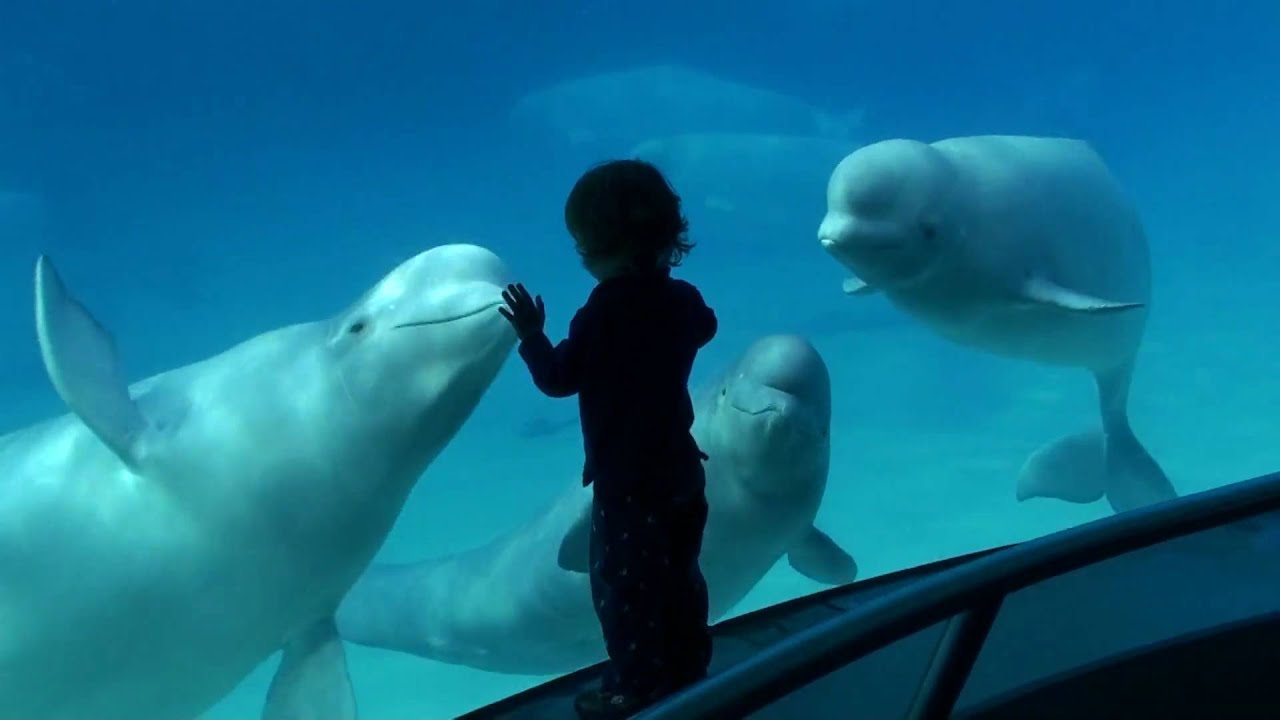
pixel 204 172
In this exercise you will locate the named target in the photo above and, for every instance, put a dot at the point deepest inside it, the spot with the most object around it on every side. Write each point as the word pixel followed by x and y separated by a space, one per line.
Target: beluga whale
pixel 164 538
pixel 1024 247
pixel 521 604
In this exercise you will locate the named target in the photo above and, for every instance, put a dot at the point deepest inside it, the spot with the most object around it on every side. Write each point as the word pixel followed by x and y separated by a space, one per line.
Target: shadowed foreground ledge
pixel 1171 611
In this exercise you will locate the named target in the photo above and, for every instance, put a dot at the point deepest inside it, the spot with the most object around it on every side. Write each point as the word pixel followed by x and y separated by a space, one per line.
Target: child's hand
pixel 527 315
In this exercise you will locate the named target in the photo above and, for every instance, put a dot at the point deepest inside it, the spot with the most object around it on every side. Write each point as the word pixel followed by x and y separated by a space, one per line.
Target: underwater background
pixel 204 172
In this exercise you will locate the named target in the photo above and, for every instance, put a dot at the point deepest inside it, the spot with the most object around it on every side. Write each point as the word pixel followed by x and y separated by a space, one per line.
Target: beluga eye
pixel 356 327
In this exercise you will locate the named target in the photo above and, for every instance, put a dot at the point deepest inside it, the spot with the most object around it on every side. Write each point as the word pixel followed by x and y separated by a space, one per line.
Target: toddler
pixel 627 357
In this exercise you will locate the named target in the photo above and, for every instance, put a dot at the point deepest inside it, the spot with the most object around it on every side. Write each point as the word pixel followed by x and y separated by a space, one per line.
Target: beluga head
pixel 418 350
pixel 771 420
pixel 885 214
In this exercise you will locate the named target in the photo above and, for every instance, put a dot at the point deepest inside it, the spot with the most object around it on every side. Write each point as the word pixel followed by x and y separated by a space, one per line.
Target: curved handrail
pixel 774 617
pixel 830 645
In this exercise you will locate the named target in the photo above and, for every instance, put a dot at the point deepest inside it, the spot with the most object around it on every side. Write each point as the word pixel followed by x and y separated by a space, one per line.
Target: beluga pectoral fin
pixel 575 547
pixel 312 682
pixel 856 286
pixel 1041 291
pixel 81 360
pixel 819 558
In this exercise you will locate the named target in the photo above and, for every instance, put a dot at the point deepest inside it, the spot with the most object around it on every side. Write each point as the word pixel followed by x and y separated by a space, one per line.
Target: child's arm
pixel 556 370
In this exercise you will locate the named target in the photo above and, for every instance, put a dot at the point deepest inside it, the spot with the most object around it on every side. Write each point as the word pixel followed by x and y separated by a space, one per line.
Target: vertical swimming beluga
pixel 1020 246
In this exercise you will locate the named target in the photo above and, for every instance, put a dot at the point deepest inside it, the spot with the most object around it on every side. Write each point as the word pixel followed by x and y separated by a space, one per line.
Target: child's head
pixel 625 217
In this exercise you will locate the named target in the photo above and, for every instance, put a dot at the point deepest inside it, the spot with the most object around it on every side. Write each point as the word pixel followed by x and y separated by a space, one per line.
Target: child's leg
pixel 688 639
pixel 662 596
pixel 600 599
pixel 622 587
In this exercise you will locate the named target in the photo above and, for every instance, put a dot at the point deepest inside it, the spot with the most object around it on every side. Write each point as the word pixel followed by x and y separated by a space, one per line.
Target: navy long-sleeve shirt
pixel 627 357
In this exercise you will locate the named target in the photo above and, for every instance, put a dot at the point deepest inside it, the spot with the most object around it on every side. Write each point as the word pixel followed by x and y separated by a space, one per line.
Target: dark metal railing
pixel 969 595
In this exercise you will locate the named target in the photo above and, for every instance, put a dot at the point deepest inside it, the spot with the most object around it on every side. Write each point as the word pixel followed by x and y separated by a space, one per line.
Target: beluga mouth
pixel 451 318
pixel 758 409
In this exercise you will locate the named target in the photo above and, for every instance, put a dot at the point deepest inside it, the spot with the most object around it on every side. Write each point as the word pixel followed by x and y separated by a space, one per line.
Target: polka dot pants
pixel 649 592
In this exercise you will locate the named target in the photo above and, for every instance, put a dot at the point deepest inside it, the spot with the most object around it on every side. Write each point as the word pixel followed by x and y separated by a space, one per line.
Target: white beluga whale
pixel 1021 246
pixel 521 604
pixel 165 538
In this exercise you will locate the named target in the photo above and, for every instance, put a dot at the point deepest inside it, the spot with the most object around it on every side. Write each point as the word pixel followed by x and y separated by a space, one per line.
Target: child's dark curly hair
pixel 626 210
